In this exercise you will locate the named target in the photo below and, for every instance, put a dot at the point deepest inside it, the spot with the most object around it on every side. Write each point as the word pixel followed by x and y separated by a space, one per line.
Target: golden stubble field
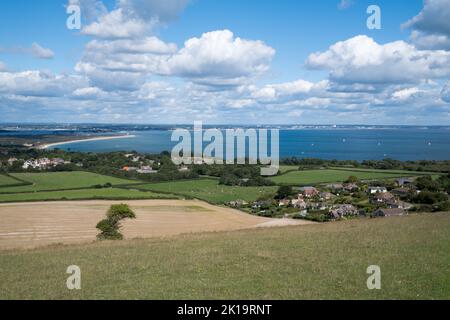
pixel 31 225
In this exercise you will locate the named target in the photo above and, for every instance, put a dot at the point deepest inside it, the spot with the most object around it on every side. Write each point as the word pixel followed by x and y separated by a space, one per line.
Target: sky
pixel 225 62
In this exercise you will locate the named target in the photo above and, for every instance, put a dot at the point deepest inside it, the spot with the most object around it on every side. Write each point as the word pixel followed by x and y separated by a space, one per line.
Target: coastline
pixel 50 145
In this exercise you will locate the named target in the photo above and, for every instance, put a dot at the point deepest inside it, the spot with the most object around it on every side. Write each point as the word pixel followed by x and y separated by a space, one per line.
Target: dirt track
pixel 29 225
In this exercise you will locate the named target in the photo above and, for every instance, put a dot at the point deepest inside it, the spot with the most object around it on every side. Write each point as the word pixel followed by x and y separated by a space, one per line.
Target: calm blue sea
pixel 409 143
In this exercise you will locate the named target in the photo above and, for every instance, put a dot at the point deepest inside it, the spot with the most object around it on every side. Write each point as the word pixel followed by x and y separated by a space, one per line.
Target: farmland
pixel 7 181
pixel 61 180
pixel 323 261
pixel 312 177
pixel 83 194
pixel 210 190
pixel 69 186
pixel 31 225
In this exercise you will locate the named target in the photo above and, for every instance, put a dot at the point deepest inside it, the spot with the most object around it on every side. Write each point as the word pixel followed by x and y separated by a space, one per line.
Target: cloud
pixel 161 10
pixel 38 83
pixel 445 93
pixel 362 60
pixel 434 18
pixel 220 58
pixel 345 4
pixel 123 64
pixel 405 94
pixel 90 9
pixel 431 27
pixel 2 66
pixel 151 45
pixel 41 52
pixel 36 51
pixel 430 41
pixel 88 93
pixel 116 25
pixel 133 18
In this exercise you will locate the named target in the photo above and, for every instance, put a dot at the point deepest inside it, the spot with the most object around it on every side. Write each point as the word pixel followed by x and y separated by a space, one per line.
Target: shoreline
pixel 50 145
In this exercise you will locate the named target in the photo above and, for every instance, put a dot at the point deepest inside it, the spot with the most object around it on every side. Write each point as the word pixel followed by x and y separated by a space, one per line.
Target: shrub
pixel 110 226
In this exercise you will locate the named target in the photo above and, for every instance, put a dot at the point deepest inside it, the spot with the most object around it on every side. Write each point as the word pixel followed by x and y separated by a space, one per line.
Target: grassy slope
pixel 62 180
pixel 5 180
pixel 326 261
pixel 113 193
pixel 327 175
pixel 210 190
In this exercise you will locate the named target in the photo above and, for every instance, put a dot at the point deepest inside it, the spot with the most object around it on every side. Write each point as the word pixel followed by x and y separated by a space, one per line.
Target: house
pixel 343 210
pixel 146 170
pixel 299 203
pixel 11 161
pixel 388 212
pixel 351 187
pixel 58 161
pixel 374 190
pixel 383 197
pixel 284 203
pixel 317 206
pixel 261 204
pixel 183 169
pixel 309 192
pixel 401 192
pixel 335 187
pixel 237 203
pixel 326 196
pixel 129 169
pixel 403 181
pixel 398 204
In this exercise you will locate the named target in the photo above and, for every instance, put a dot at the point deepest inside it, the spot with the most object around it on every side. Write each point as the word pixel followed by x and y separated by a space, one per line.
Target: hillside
pixel 326 261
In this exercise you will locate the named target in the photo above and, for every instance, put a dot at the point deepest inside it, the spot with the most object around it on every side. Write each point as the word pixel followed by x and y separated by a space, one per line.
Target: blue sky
pixel 225 61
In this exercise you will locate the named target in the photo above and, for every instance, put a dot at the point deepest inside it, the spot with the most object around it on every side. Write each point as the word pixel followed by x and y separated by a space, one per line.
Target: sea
pixel 325 142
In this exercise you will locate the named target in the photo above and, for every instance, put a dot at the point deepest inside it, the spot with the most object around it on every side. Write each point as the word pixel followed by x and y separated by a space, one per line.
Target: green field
pixel 210 190
pixel 284 169
pixel 6 181
pixel 311 177
pixel 325 261
pixel 62 180
pixel 84 194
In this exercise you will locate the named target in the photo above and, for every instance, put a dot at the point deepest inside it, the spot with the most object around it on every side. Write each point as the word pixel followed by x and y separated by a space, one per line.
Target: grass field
pixel 62 180
pixel 210 190
pixel 6 181
pixel 308 177
pixel 83 194
pixel 325 261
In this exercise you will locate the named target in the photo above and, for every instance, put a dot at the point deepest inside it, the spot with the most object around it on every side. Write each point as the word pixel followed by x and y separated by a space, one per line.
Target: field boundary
pixel 22 183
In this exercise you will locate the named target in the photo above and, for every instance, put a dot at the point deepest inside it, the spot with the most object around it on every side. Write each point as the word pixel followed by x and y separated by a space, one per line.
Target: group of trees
pixel 384 164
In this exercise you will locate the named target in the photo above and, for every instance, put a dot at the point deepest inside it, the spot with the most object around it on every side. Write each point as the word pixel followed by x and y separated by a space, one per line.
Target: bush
pixel 110 226
pixel 428 197
pixel 284 192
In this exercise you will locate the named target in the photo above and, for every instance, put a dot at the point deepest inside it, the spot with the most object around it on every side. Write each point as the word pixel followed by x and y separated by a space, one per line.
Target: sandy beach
pixel 50 145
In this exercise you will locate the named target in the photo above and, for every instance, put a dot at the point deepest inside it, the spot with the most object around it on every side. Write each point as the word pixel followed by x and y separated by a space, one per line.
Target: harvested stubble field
pixel 30 225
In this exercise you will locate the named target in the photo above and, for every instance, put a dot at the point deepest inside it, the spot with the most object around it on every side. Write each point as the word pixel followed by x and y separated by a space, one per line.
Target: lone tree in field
pixel 110 226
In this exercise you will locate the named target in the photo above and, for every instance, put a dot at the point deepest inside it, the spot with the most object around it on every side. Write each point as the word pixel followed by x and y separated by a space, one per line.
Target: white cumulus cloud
pixel 362 60
pixel 218 57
